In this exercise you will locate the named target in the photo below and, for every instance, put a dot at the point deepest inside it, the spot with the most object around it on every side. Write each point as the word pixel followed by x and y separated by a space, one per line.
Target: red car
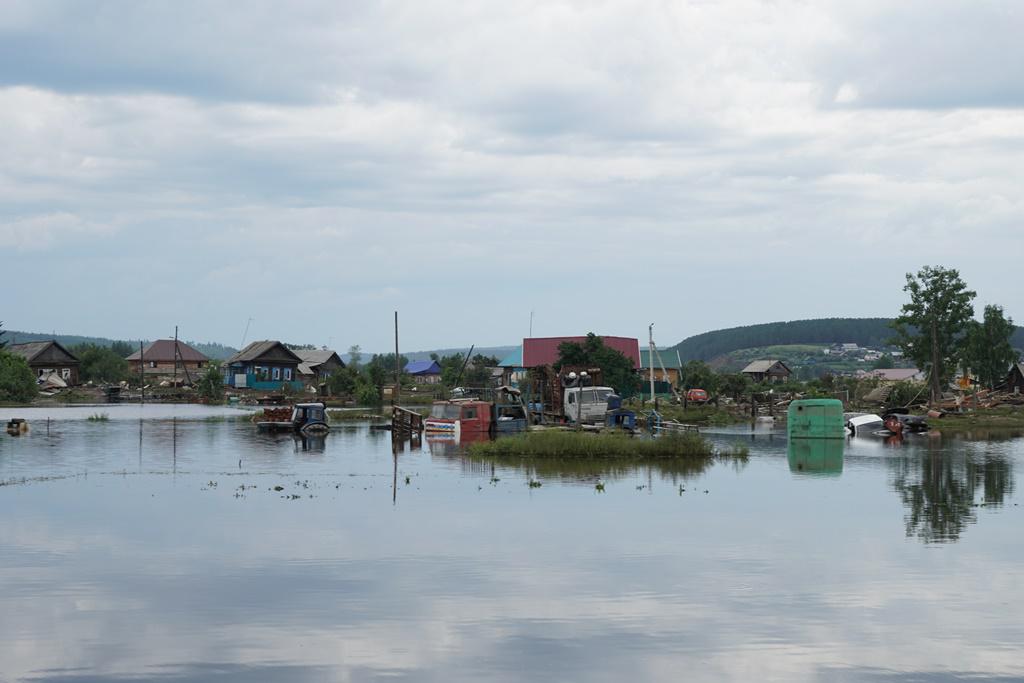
pixel 696 396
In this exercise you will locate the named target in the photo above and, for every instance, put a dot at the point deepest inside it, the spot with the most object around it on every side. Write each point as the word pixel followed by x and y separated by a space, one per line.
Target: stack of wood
pixel 274 415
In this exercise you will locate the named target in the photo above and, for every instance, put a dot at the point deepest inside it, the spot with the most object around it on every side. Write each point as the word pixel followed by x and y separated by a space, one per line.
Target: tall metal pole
pixel 142 374
pixel 650 359
pixel 398 367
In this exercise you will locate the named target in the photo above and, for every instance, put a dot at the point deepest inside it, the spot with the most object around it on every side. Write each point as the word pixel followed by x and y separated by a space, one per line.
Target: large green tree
pixel 618 370
pixel 988 351
pixel 931 328
pixel 697 374
pixel 17 383
pixel 100 363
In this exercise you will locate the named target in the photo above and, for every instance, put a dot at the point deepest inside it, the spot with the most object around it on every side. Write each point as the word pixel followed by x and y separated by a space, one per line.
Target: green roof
pixel 668 359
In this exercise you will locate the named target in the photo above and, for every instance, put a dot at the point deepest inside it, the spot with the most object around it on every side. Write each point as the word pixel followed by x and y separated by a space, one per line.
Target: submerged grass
pixel 560 444
pixel 99 417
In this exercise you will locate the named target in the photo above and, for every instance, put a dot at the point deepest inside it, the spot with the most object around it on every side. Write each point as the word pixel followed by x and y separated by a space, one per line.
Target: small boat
pixel 303 418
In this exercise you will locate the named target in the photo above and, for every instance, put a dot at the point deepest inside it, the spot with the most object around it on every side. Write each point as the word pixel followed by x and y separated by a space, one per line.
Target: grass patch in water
pixel 98 417
pixel 560 444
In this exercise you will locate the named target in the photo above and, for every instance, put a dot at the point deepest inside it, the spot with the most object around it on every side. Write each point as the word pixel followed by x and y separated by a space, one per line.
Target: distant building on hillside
pixel 160 358
pixel 265 365
pixel 48 358
pixel 772 371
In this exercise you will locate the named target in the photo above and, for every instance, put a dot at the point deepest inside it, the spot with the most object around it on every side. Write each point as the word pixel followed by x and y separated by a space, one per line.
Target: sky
pixel 316 166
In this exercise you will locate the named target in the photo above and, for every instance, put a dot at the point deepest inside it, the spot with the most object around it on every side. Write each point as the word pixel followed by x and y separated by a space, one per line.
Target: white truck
pixel 586 405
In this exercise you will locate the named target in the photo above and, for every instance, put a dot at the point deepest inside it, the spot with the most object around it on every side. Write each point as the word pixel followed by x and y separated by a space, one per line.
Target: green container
pixel 816 418
pixel 820 457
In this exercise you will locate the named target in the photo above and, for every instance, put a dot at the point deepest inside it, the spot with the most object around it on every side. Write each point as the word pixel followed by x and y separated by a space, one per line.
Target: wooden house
pixel 48 358
pixel 1015 380
pixel 770 371
pixel 264 365
pixel 671 372
pixel 424 371
pixel 317 366
pixel 163 358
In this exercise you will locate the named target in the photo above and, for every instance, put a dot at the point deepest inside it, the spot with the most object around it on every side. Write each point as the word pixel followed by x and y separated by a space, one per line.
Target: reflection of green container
pixel 816 456
pixel 816 418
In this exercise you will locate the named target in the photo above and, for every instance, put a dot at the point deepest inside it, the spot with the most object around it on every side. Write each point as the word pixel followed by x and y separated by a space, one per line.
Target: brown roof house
pixel 772 371
pixel 317 366
pixel 160 358
pixel 47 358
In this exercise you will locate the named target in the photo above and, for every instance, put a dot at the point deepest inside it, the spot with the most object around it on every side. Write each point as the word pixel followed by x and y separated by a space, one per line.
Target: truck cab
pixel 587 404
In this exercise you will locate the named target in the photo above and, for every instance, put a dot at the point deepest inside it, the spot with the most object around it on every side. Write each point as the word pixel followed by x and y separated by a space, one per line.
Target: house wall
pixel 66 371
pixel 264 375
pixel 672 376
pixel 167 367
pixel 426 379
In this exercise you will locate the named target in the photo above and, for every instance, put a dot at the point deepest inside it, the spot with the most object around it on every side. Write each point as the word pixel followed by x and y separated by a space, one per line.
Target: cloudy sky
pixel 316 166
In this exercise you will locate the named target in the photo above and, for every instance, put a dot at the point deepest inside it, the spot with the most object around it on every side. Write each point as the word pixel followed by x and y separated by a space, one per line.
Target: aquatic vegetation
pixel 581 444
pixel 99 417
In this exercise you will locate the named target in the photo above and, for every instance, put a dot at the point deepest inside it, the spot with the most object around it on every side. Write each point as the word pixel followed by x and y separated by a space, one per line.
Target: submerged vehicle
pixel 863 423
pixel 465 416
pixel 901 423
pixel 303 418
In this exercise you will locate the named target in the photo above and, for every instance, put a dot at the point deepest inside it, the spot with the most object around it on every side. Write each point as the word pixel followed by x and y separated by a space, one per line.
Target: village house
pixel 771 371
pixel 162 358
pixel 672 370
pixel 266 365
pixel 48 358
pixel 317 366
pixel 1015 380
pixel 541 351
pixel 512 370
pixel 424 371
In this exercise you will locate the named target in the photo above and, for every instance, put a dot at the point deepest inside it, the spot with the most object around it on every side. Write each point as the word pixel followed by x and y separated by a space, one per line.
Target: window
pixel 65 373
pixel 277 373
pixel 287 374
pixel 152 363
pixel 572 399
pixel 469 414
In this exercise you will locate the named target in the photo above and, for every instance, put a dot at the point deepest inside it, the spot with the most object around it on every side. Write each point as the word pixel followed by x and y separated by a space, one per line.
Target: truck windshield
pixel 445 411
pixel 596 395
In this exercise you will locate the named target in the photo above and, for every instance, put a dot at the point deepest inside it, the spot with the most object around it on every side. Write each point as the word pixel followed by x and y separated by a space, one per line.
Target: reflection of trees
pixel 586 469
pixel 941 491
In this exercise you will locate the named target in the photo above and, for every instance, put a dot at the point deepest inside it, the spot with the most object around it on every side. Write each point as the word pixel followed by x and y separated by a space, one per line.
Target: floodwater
pixel 156 546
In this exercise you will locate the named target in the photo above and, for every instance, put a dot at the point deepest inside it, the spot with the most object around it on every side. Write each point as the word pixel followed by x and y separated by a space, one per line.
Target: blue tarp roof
pixel 512 360
pixel 423 367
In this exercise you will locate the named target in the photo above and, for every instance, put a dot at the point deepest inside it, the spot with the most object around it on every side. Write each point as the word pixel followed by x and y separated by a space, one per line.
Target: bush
pixel 17 383
pixel 211 384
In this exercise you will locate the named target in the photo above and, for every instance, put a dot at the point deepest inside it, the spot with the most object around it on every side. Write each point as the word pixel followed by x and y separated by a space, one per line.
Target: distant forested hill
pixel 862 331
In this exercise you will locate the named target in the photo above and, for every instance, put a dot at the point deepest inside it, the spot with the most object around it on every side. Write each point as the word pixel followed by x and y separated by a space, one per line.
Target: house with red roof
pixel 161 357
pixel 541 351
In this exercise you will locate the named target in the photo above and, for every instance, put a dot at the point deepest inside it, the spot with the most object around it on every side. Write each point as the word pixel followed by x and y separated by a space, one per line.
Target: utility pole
pixel 175 382
pixel 650 359
pixel 398 367
pixel 142 374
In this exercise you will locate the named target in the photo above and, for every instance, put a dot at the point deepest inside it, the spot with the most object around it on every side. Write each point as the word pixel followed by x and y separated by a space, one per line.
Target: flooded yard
pixel 176 543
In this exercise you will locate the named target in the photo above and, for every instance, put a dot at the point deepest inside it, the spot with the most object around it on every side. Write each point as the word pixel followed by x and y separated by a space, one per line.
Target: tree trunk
pixel 936 380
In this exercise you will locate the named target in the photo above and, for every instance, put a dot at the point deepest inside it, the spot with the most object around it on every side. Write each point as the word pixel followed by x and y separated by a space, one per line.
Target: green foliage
pixel 211 383
pixel 886 361
pixel 98 417
pixel 342 382
pixel 100 364
pixel 697 374
pixel 988 351
pixel 355 356
pixel 3 344
pixel 17 383
pixel 735 385
pixel 709 345
pixel 618 370
pixel 477 372
pixel 932 326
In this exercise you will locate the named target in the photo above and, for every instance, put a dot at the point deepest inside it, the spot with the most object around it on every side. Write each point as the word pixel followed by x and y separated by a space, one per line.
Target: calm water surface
pixel 154 546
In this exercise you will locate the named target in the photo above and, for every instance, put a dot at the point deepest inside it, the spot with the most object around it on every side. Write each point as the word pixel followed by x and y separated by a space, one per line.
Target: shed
pixel 318 365
pixel 672 369
pixel 48 358
pixel 767 371
pixel 1015 380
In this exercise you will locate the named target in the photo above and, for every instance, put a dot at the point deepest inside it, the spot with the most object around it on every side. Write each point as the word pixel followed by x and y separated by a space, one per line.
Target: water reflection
pixel 942 489
pixel 816 456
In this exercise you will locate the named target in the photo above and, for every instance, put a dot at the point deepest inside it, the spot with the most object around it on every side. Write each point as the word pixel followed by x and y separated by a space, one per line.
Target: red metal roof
pixel 539 351
pixel 162 350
